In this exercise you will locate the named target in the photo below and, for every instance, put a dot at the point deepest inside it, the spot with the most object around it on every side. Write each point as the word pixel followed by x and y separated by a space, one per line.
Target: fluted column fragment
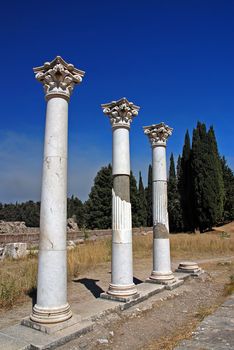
pixel 121 114
pixel 158 134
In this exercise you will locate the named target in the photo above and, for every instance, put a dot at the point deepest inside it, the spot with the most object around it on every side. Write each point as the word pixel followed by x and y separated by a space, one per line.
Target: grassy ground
pixel 18 278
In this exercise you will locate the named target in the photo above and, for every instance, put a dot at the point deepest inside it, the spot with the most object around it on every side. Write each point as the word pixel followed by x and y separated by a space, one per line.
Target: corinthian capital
pixel 121 112
pixel 58 77
pixel 158 133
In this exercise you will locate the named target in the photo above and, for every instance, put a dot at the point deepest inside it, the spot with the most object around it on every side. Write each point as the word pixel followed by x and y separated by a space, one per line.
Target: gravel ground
pixel 163 320
pixel 158 323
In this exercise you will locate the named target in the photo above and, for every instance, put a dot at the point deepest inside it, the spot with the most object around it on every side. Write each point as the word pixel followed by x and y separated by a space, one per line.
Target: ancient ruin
pixel 158 135
pixel 58 78
pixel 121 114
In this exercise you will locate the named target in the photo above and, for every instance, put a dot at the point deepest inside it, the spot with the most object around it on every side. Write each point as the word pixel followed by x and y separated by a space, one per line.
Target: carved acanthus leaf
pixel 58 77
pixel 158 133
pixel 120 112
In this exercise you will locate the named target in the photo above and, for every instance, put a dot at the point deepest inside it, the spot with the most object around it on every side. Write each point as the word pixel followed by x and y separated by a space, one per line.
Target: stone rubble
pixel 14 250
pixel 12 227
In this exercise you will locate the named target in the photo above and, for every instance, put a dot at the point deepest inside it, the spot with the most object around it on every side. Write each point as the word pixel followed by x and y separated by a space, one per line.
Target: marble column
pixel 58 79
pixel 158 135
pixel 121 114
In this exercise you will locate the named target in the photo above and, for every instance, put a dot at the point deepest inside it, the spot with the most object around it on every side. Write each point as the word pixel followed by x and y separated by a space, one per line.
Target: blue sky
pixel 172 58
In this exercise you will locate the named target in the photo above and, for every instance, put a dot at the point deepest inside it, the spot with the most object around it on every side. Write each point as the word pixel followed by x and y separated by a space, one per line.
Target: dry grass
pixel 17 278
pixel 188 245
pixel 87 256
pixel 200 245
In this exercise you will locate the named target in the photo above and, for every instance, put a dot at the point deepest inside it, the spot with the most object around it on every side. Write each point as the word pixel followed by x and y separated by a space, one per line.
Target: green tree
pixel 98 206
pixel 30 213
pixel 228 179
pixel 142 208
pixel 75 208
pixel 174 208
pixel 207 182
pixel 217 176
pixel 148 195
pixel 11 212
pixel 178 168
pixel 185 185
pixel 134 199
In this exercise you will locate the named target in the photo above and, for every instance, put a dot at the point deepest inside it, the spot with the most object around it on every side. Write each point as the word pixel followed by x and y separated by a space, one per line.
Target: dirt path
pixel 215 332
pixel 158 323
pixel 89 286
pixel 163 320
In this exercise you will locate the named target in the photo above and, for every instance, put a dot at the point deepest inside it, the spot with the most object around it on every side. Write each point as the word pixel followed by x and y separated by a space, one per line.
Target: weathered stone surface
pixel 102 341
pixel 15 250
pixel 72 225
pixel 1 251
pixel 79 241
pixel 121 187
pixel 215 331
pixel 12 227
pixel 160 231
pixel 51 328
pixel 71 244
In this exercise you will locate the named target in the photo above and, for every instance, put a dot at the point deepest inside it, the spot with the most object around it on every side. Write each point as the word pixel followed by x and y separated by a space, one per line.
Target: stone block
pixel 71 244
pixel 50 328
pixel 119 298
pixel 15 250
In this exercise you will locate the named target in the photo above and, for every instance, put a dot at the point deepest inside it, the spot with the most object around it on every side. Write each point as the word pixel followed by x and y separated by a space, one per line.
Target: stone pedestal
pixel 121 114
pixel 158 134
pixel 58 78
pixel 190 267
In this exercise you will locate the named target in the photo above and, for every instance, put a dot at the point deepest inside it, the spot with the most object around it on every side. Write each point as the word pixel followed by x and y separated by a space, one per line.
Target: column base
pixel 119 290
pixel 189 267
pixel 168 281
pixel 162 277
pixel 53 315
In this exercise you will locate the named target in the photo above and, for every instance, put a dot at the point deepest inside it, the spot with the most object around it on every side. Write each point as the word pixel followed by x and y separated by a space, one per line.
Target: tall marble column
pixel 121 113
pixel 58 78
pixel 158 135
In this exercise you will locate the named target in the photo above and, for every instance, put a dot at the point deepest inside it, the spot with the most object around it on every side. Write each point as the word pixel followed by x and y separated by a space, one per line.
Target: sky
pixel 174 59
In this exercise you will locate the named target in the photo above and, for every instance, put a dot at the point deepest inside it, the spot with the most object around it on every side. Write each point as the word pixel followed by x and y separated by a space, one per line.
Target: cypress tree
pixel 142 209
pixel 207 184
pixel 134 199
pixel 99 205
pixel 174 209
pixel 148 195
pixel 185 185
pixel 199 171
pixel 217 177
pixel 228 179
pixel 178 168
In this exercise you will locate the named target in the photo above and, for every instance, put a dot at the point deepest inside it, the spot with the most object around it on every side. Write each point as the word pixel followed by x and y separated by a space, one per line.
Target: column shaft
pixel 121 271
pixel 121 113
pixel 161 243
pixel 58 78
pixel 159 178
pixel 52 280
pixel 52 265
pixel 158 134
